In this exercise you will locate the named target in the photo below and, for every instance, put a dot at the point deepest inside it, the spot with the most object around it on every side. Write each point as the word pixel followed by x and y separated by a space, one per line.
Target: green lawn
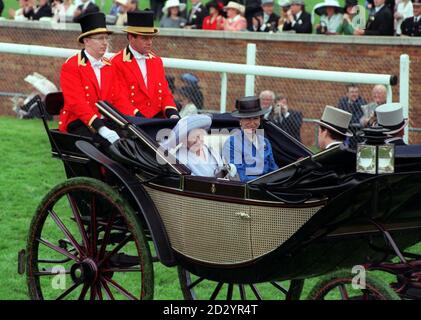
pixel 27 173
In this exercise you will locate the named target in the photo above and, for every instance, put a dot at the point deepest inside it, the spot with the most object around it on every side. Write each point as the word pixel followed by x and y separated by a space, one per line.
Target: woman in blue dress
pixel 247 148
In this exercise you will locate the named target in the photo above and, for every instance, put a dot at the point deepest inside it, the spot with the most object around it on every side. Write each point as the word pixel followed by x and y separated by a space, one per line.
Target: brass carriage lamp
pixel 374 156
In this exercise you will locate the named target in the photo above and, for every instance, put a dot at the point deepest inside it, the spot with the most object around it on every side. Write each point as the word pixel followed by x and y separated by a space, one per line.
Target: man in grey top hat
pixel 333 127
pixel 390 116
pixel 267 20
pixel 298 19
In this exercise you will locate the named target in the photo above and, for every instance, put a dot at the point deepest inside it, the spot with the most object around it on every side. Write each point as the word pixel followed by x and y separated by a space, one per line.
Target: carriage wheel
pixel 86 242
pixel 339 285
pixel 197 288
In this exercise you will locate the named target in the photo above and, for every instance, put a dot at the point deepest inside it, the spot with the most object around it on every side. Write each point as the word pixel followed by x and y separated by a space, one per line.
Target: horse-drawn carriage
pixel 126 207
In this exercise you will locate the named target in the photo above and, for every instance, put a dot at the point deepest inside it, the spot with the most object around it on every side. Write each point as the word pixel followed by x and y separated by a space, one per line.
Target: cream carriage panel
pixel 222 232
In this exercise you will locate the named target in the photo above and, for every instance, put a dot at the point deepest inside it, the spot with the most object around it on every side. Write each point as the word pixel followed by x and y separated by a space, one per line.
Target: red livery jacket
pixel 81 91
pixel 156 99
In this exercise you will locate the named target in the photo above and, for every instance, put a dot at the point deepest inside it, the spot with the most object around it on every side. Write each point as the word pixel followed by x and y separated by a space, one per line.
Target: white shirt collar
pixel 138 55
pixel 96 66
pixel 94 62
pixel 393 139
pixel 378 8
pixel 332 144
pixel 298 15
pixel 85 5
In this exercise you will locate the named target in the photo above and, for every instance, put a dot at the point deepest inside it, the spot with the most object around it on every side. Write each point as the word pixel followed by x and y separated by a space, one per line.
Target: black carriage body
pixel 330 207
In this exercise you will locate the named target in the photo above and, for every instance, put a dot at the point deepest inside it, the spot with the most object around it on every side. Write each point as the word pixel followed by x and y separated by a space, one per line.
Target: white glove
pixel 108 134
pixel 232 171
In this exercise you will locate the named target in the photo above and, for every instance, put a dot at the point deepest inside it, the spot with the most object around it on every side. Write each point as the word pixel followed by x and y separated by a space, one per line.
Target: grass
pixel 27 173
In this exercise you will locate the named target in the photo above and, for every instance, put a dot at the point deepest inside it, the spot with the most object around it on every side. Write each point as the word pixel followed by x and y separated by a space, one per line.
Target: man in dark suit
pixel 196 15
pixel 287 119
pixel 253 8
pixel 389 3
pixel 85 8
pixel 412 26
pixel 43 10
pixel 266 21
pixel 380 21
pixel 1 7
pixel 352 103
pixel 390 116
pixel 297 19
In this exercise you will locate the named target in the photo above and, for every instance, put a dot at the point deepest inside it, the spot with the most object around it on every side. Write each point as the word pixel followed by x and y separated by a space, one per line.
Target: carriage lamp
pixel 373 155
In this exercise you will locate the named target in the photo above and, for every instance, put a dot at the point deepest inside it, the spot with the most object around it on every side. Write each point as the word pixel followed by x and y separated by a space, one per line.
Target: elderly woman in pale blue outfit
pixel 248 149
pixel 186 142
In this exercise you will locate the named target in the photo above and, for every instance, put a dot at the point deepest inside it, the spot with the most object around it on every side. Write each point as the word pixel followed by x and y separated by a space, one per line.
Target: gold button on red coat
pixel 160 91
pixel 132 87
pixel 132 94
pixel 86 88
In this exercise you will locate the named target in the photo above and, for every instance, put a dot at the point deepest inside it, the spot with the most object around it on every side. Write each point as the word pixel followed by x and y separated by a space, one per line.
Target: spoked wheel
pixel 85 242
pixel 197 288
pixel 339 286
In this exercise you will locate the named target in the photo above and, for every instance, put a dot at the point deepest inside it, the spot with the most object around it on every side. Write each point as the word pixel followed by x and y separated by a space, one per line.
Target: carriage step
pixel 21 261
pixel 124 260
pixel 101 222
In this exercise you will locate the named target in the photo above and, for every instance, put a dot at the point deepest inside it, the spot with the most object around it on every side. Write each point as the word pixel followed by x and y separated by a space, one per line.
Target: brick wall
pixel 368 55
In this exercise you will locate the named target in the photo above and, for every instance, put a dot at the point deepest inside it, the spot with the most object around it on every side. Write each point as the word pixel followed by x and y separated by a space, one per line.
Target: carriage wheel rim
pixel 91 269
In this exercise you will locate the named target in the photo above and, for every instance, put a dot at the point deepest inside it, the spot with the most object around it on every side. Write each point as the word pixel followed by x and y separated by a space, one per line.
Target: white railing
pixel 250 70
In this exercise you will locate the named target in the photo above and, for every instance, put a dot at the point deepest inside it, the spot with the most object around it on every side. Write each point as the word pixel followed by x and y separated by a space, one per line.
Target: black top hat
pixel 248 107
pixel 141 22
pixel 92 23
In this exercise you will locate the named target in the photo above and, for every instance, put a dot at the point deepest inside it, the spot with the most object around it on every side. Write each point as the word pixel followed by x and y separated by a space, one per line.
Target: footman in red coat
pixel 88 77
pixel 141 72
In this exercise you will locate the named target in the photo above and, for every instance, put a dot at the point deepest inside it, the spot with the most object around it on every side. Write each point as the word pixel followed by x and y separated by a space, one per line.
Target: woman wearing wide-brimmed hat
pixel 235 20
pixel 215 20
pixel 171 17
pixel 247 148
pixel 330 13
pixel 187 144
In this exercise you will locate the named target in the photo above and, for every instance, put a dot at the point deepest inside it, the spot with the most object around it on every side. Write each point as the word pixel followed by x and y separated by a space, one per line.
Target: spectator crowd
pixel 376 17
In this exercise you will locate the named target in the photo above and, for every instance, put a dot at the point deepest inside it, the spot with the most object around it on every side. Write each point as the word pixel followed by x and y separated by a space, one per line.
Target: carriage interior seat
pixel 286 149
pixel 54 102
